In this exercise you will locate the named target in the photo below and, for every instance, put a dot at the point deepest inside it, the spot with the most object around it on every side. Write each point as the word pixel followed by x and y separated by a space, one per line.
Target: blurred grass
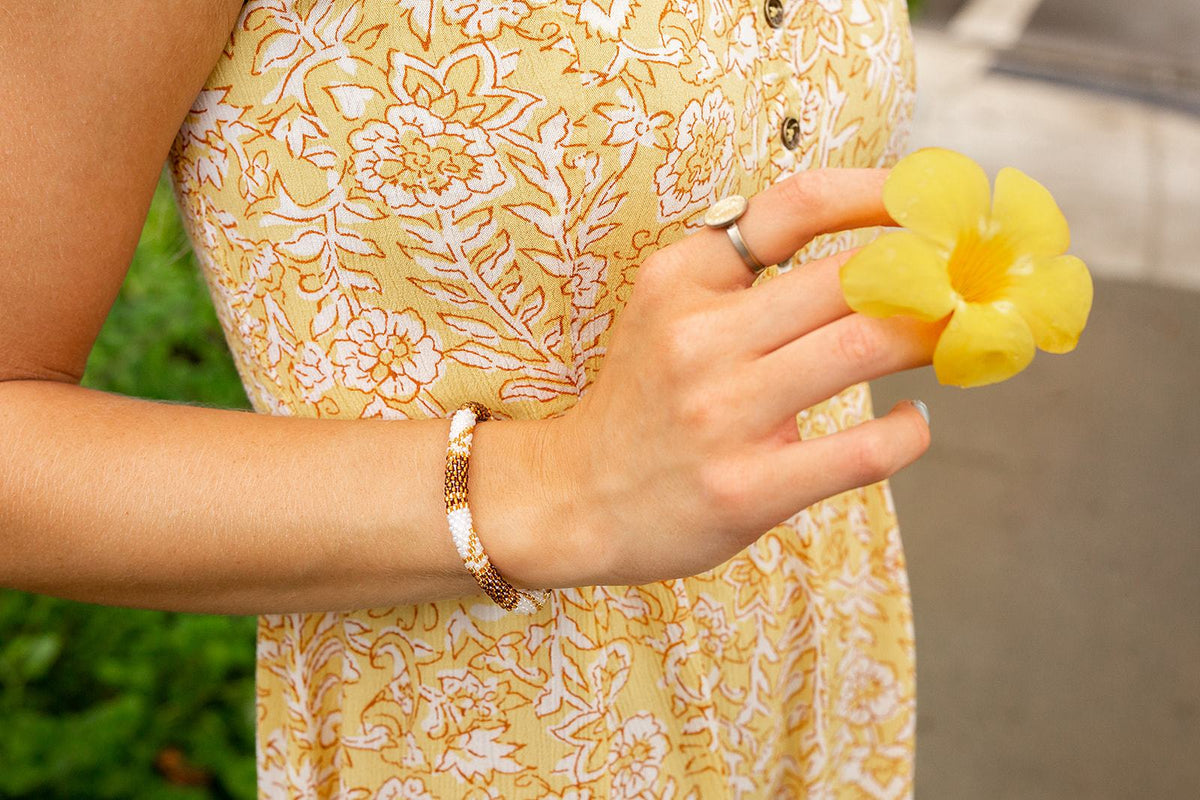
pixel 103 702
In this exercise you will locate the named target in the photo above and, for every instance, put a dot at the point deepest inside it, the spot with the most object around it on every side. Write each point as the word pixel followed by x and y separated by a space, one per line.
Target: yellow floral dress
pixel 400 205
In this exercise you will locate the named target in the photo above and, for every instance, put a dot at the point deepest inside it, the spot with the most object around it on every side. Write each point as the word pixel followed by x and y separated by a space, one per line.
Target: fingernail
pixel 922 409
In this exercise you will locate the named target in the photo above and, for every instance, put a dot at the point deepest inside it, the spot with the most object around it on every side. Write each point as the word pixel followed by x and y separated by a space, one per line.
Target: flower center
pixel 979 266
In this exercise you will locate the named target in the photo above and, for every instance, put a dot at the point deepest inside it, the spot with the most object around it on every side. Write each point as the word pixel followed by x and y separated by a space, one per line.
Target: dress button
pixel 773 11
pixel 789 132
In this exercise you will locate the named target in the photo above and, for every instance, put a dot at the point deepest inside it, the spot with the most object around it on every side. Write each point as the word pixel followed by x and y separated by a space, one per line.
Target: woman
pixel 401 206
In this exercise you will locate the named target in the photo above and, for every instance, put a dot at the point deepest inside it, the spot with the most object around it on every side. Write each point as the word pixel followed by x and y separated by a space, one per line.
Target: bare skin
pixel 682 453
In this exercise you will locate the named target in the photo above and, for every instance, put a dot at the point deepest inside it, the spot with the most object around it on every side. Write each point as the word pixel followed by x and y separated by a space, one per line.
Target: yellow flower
pixel 992 267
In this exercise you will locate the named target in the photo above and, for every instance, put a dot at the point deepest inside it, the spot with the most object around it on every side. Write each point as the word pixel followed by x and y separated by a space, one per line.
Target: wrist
pixel 524 495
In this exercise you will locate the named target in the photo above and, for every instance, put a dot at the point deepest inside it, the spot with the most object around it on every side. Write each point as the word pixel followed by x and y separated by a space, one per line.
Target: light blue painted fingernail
pixel 922 409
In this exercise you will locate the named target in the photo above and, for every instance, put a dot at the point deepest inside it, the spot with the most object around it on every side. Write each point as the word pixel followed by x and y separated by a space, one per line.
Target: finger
pixel 783 218
pixel 772 313
pixel 798 474
pixel 849 350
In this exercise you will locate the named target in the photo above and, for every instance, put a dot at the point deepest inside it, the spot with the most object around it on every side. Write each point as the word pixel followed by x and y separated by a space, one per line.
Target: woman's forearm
pixel 121 501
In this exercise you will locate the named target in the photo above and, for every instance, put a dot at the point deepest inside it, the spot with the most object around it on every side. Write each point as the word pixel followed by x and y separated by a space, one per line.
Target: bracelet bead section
pixel 458 514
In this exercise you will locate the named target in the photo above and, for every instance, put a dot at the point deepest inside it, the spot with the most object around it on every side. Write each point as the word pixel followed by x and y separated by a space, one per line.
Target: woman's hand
pixel 686 449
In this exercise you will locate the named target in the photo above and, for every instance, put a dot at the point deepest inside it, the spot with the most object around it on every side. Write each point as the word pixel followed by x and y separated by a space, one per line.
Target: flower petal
pixel 898 273
pixel 984 343
pixel 1025 213
pixel 938 193
pixel 1055 299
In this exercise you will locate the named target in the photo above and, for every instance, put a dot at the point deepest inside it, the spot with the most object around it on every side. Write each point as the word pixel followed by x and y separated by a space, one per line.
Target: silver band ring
pixel 724 214
pixel 739 244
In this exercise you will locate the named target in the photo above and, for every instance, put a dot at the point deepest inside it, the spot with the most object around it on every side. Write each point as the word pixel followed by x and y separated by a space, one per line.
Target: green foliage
pixel 102 702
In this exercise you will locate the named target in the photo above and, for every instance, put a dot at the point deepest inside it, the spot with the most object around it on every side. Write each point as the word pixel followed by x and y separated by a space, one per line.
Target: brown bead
pixel 499 590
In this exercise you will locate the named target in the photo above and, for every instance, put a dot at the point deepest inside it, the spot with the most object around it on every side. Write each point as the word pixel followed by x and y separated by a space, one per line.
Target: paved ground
pixel 1053 531
pixel 1127 173
pixel 1145 49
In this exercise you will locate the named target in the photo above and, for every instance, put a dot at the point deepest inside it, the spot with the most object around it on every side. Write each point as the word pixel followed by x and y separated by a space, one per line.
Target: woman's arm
pixel 122 501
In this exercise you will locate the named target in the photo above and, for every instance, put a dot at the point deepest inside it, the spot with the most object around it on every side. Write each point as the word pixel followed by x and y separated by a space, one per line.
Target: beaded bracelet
pixel 458 452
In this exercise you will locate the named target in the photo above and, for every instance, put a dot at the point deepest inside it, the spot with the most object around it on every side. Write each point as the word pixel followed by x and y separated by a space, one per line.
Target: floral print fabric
pixel 400 205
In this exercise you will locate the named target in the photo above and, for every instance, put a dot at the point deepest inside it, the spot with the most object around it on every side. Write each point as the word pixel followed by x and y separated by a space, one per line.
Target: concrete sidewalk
pixel 1053 530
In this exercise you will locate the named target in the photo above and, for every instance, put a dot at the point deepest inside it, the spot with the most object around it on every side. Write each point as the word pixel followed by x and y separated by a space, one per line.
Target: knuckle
pixel 683 345
pixel 696 413
pixel 652 277
pixel 871 459
pixel 859 343
pixel 653 264
pixel 655 280
pixel 806 190
pixel 661 271
pixel 725 488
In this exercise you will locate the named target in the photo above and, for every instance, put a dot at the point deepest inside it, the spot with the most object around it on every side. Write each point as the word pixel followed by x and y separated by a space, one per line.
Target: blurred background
pixel 1052 532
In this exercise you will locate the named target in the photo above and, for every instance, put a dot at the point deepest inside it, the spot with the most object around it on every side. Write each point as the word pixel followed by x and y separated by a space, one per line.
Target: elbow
pixel 37 372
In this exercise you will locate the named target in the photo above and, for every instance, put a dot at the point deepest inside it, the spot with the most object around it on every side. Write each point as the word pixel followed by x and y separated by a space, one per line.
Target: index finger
pixel 785 217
